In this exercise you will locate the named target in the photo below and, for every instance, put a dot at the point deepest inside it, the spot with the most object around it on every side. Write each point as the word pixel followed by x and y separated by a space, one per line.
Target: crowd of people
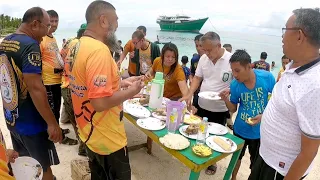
pixel 282 136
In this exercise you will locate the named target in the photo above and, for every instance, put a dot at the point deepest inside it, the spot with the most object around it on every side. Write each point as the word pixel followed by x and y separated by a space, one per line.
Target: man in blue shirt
pixel 250 90
pixel 32 124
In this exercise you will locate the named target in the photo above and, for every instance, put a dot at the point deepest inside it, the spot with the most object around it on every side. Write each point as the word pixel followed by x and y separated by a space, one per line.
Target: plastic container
pixel 156 92
pixel 180 108
pixel 172 123
pixel 202 132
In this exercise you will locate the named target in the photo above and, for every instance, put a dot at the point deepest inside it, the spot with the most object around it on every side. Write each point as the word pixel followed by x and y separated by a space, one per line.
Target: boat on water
pixel 180 23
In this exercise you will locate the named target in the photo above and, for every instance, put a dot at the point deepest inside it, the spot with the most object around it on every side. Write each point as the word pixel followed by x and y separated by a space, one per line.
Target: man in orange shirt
pixel 129 48
pixel 52 68
pixel 96 95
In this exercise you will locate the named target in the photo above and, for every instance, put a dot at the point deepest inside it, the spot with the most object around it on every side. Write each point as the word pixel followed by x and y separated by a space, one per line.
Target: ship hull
pixel 190 26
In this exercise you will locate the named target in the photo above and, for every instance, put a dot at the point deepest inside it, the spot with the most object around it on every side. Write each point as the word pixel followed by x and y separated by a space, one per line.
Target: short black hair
pixel 227 45
pixel 143 28
pixel 53 13
pixel 284 57
pixel 35 13
pixel 263 55
pixel 95 9
pixel 184 59
pixel 197 38
pixel 138 34
pixel 241 56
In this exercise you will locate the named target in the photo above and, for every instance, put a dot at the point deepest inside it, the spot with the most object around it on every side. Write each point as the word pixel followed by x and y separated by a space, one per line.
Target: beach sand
pixel 158 166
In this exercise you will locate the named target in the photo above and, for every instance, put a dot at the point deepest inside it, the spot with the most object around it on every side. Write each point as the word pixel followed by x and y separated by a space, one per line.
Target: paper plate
pixel 182 130
pixel 210 95
pixel 27 168
pixel 217 129
pixel 137 111
pixel 216 147
pixel 162 118
pixel 151 124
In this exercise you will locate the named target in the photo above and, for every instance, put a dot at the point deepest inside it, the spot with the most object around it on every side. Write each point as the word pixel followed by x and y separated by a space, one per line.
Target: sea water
pixel 260 41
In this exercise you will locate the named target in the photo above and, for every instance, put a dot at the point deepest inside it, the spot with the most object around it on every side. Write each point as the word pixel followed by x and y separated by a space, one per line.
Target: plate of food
pixel 27 168
pixel 201 150
pixel 190 131
pixel 174 141
pixel 137 110
pixel 191 119
pixel 210 95
pixel 160 113
pixel 221 144
pixel 151 123
pixel 217 129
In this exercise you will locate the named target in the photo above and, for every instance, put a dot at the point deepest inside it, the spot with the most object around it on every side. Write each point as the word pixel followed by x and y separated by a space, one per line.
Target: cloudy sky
pixel 222 14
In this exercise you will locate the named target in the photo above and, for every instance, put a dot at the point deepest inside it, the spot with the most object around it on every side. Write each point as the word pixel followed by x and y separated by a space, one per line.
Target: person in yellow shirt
pixel 144 54
pixel 175 85
pixel 96 93
pixel 129 48
pixel 52 68
pixel 65 91
pixel 284 61
pixel 6 156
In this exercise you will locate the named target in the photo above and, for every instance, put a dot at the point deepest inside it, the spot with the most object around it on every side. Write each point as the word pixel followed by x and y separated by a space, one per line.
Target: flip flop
pixel 69 141
pixel 211 170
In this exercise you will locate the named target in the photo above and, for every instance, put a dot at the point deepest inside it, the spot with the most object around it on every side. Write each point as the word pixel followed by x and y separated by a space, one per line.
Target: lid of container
pixel 205 119
pixel 158 78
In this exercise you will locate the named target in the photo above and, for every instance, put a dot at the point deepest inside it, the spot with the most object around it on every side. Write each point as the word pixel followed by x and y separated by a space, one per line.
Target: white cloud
pixel 222 14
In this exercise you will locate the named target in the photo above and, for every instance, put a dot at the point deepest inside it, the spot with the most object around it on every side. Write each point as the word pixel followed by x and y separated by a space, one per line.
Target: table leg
pixel 194 175
pixel 149 145
pixel 232 164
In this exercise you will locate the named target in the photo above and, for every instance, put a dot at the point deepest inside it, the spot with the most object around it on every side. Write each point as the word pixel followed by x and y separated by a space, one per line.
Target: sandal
pixel 69 141
pixel 230 126
pixel 65 131
pixel 211 170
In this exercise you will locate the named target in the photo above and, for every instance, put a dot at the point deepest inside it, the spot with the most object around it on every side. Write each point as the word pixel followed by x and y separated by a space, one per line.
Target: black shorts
pixel 253 146
pixel 110 167
pixel 262 171
pixel 216 117
pixel 54 98
pixel 37 146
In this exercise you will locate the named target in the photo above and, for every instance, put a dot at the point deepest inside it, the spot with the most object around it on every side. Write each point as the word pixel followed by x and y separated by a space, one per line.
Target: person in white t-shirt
pixel 290 124
pixel 215 73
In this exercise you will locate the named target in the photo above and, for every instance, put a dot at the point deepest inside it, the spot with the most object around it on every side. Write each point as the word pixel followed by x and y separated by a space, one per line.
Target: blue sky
pixel 236 14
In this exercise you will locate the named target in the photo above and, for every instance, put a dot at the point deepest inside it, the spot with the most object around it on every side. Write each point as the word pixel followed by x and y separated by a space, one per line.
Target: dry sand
pixel 158 166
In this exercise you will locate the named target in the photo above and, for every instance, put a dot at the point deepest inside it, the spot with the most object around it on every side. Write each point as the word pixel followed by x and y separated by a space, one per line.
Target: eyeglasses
pixel 294 29
pixel 47 26
pixel 135 43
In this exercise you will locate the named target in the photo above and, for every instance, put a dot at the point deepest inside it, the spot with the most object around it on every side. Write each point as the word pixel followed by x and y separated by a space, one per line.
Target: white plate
pixel 137 111
pixel 182 130
pixel 217 129
pixel 27 168
pixel 162 118
pixel 216 147
pixel 174 141
pixel 151 123
pixel 210 95
pixel 130 101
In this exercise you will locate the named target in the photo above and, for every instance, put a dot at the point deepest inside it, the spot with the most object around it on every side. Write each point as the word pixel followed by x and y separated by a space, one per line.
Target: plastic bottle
pixel 202 132
pixel 173 121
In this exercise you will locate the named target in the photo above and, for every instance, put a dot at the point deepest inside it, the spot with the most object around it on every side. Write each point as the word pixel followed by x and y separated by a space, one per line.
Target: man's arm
pixel 39 97
pixel 232 107
pixel 104 103
pixel 309 150
pixel 196 81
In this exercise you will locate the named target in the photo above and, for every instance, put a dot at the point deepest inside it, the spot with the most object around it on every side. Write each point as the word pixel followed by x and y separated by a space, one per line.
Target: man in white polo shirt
pixel 215 73
pixel 290 125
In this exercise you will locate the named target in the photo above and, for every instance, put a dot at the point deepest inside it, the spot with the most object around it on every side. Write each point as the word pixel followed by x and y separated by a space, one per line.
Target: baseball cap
pixel 83 27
